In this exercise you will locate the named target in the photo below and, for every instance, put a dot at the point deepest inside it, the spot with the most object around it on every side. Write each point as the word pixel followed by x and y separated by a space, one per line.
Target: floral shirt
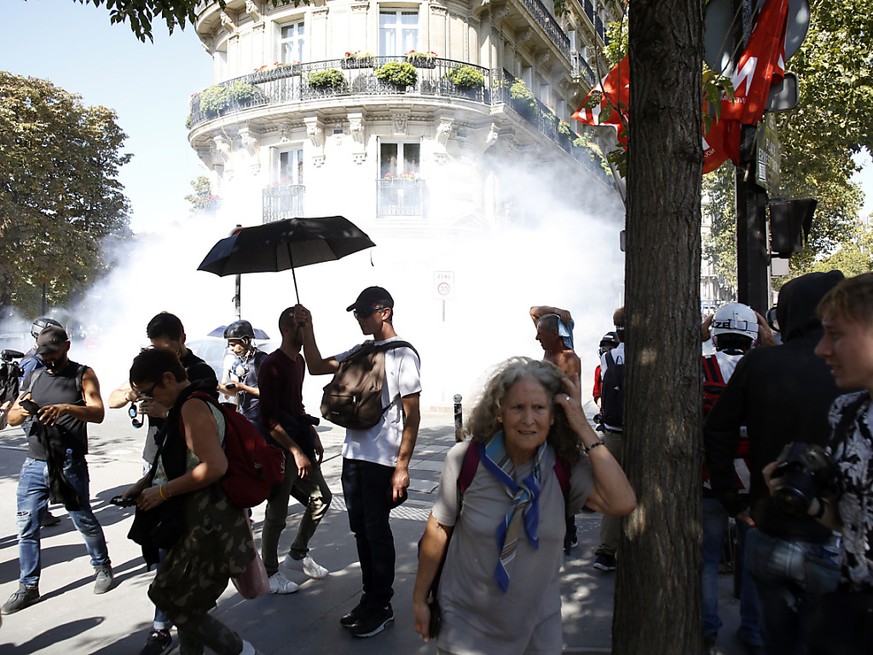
pixel 852 448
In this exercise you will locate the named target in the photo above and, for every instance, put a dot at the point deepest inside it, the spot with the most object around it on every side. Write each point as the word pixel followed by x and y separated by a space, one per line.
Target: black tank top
pixel 62 387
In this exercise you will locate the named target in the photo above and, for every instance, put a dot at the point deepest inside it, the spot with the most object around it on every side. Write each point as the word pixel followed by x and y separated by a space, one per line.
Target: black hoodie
pixel 781 394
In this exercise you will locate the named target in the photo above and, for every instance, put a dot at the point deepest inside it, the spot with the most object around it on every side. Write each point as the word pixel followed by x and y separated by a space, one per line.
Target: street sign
pixel 768 156
pixel 723 25
pixel 444 285
pixel 783 95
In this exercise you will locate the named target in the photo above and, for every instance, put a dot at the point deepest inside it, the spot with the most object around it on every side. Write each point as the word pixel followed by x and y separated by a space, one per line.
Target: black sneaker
pixel 604 562
pixel 24 597
pixel 159 643
pixel 373 621
pixel 48 519
pixel 348 620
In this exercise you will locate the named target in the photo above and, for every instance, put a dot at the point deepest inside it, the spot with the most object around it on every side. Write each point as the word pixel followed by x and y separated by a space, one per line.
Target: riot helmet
pixel 239 330
pixel 608 342
pixel 737 319
pixel 42 323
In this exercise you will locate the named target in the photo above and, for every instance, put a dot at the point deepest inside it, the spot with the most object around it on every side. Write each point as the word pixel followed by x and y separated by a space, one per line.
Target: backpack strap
pixel 470 465
pixel 712 371
pixel 369 347
pixel 610 360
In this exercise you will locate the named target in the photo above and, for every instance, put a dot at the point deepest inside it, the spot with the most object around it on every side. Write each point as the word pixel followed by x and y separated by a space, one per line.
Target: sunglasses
pixel 366 313
pixel 133 413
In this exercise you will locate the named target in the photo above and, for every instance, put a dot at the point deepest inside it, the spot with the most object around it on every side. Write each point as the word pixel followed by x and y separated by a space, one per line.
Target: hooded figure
pixel 782 394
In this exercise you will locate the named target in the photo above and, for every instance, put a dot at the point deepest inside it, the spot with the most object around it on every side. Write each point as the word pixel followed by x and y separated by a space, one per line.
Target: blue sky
pixel 148 84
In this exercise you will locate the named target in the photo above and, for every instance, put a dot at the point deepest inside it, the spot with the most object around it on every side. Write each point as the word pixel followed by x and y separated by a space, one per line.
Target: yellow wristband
pixel 161 492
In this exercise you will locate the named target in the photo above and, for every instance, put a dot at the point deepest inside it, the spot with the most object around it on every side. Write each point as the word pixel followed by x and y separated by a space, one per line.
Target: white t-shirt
pixel 381 443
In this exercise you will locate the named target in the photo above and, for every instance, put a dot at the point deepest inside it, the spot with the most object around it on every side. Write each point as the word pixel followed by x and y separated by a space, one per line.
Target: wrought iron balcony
pixel 295 83
pixel 546 21
pixel 282 201
pixel 399 197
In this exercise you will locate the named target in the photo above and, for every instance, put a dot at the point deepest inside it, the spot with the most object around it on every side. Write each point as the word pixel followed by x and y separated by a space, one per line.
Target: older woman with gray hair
pixel 532 455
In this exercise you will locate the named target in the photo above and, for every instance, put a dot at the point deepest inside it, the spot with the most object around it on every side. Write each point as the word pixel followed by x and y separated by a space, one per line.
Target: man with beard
pixel 63 397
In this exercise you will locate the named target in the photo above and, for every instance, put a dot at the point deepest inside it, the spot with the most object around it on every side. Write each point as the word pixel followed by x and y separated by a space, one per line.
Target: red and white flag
pixel 761 65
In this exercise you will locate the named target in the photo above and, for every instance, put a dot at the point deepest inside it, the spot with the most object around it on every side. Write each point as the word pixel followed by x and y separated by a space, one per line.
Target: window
pixel 290 167
pixel 291 43
pixel 398 31
pixel 399 160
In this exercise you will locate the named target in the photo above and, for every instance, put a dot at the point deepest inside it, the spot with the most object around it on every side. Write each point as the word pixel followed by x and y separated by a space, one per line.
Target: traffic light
pixel 790 221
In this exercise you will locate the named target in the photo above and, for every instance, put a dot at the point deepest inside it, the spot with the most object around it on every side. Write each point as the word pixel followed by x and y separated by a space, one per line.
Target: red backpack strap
pixel 563 473
pixel 469 466
pixel 712 371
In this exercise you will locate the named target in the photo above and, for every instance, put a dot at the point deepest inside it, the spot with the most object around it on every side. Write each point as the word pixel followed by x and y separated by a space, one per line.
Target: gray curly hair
pixel 483 422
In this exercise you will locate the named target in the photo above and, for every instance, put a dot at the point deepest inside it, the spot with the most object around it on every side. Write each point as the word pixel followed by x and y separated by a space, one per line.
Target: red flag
pixel 761 64
pixel 614 100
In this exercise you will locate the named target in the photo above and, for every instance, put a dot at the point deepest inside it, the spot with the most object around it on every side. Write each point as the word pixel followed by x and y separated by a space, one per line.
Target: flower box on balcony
pixel 357 60
pixel 421 59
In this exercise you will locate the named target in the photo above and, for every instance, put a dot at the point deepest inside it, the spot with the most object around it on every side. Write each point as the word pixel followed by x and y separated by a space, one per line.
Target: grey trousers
pixel 315 497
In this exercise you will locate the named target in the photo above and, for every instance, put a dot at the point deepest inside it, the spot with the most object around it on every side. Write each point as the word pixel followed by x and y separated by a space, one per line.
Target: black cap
pixel 372 296
pixel 51 340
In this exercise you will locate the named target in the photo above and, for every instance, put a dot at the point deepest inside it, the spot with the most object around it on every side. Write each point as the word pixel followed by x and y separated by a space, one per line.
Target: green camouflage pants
pixel 216 546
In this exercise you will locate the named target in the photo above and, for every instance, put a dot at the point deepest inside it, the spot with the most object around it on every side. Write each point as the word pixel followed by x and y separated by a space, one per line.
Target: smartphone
pixel 29 405
pixel 230 386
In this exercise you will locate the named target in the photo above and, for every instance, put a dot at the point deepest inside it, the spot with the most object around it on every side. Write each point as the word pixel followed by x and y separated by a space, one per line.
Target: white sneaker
pixel 308 565
pixel 279 584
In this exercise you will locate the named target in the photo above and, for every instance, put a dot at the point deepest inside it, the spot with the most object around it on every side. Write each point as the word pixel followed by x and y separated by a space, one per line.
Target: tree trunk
pixel 657 596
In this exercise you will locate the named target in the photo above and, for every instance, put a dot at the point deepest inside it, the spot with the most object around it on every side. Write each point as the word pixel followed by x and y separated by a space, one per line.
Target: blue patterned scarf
pixel 525 508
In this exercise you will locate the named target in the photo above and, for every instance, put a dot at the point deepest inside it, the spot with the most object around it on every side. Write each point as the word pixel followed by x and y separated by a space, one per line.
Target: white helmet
pixel 735 318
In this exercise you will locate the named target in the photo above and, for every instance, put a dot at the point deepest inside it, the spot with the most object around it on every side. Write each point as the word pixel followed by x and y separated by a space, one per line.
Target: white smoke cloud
pixel 556 254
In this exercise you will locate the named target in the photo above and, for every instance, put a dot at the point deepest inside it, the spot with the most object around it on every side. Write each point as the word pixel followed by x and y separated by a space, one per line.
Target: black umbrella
pixel 281 245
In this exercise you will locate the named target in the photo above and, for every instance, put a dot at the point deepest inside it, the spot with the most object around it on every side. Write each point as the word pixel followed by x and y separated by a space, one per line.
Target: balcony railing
pixel 291 83
pixel 281 201
pixel 546 21
pixel 544 120
pixel 400 198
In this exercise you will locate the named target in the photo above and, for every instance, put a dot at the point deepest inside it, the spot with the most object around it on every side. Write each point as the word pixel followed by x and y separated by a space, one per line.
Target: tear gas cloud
pixel 555 255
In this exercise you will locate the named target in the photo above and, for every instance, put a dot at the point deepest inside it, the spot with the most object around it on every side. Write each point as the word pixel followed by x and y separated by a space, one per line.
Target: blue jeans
pixel 367 487
pixel 33 495
pixel 791 576
pixel 715 524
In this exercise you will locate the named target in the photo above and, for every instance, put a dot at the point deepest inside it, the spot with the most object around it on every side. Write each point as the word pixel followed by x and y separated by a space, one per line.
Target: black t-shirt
pixel 199 374
pixel 62 387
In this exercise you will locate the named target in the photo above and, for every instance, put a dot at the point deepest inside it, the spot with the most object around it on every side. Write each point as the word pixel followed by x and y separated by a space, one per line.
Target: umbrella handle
pixel 294 276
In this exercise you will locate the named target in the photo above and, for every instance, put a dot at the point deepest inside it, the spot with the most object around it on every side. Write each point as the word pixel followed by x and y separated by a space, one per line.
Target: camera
pixel 805 471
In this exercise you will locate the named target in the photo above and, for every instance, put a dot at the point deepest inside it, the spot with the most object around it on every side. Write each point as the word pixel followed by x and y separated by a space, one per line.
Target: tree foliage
pixel 141 14
pixel 59 196
pixel 831 123
pixel 203 200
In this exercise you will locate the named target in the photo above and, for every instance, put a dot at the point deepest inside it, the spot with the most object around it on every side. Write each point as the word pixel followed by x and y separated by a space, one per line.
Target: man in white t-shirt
pixel 375 472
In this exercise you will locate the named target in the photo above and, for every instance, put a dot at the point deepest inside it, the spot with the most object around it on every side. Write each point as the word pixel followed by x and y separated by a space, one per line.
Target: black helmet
pixel 40 324
pixel 239 330
pixel 609 339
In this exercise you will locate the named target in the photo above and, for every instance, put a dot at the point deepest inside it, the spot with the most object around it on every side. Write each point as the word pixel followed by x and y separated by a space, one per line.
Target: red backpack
pixel 254 467
pixel 713 383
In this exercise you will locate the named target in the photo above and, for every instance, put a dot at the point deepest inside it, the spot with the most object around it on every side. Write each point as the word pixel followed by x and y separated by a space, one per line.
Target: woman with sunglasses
pixel 215 543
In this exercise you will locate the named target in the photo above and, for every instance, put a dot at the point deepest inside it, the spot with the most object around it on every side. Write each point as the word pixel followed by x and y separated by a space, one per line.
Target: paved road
pixel 70 619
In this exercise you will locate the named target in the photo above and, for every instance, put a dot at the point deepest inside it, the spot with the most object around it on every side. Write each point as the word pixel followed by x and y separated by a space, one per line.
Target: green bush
pixel 398 73
pixel 218 98
pixel 327 79
pixel 466 77
pixel 564 128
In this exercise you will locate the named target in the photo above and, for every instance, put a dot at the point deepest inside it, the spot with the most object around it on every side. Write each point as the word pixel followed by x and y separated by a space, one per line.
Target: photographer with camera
pixel 63 397
pixel 780 394
pixel 836 490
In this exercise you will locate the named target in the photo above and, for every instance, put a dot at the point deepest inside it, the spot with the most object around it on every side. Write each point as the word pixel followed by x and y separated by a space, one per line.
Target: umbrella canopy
pixel 219 332
pixel 281 245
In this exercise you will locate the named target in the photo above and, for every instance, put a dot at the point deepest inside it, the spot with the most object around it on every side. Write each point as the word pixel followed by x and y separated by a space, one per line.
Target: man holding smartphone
pixel 63 397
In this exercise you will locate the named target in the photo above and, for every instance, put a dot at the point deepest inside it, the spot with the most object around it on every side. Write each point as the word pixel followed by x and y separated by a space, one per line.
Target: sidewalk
pixel 71 619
